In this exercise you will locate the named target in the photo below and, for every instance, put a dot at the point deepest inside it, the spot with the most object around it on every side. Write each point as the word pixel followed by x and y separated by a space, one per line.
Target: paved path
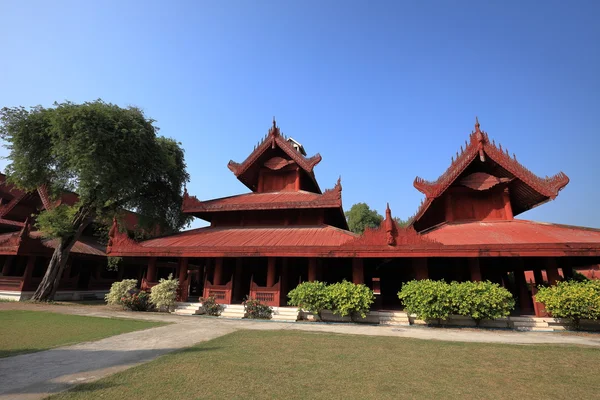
pixel 35 375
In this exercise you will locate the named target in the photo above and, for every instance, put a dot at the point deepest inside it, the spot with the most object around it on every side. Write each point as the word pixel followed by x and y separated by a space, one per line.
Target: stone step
pixel 525 324
pixel 187 312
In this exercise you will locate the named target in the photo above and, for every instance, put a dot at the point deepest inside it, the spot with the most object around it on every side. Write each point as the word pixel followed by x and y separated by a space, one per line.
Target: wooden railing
pixel 221 293
pixel 11 283
pixel 147 285
pixel 267 295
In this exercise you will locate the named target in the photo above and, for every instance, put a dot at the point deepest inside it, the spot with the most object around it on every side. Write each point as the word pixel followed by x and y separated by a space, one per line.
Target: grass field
pixel 29 331
pixel 296 365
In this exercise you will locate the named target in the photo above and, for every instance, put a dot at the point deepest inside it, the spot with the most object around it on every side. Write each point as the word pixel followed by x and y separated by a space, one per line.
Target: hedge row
pixel 437 300
pixel 343 299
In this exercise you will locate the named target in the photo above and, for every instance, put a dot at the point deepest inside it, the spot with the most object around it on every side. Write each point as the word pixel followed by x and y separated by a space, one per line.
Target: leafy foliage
pixel 401 222
pixel 164 295
pixel 311 296
pixel 136 300
pixel 256 310
pixel 428 299
pixel 438 299
pixel 348 298
pixel 110 156
pixel 118 290
pixel 480 300
pixel 572 299
pixel 360 217
pixel 211 307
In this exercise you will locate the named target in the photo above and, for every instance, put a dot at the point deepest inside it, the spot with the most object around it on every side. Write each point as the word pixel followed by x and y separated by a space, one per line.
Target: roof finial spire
pixel 477 124
pixel 274 123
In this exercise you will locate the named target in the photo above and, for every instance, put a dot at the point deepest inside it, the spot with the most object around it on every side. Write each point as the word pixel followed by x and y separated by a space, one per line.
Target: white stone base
pixel 61 295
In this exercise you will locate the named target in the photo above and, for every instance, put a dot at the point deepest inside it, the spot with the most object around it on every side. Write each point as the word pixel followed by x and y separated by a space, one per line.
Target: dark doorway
pixel 393 273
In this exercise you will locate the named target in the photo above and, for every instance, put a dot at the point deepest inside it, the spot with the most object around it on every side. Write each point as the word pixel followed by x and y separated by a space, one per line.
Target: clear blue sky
pixel 384 91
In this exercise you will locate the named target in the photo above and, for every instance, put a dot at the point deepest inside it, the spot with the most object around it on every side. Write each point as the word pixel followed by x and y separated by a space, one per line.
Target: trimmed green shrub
pixel 480 300
pixel 311 296
pixel 429 300
pixel 211 307
pixel 350 299
pixel 118 290
pixel 164 295
pixel 256 310
pixel 572 299
pixel 136 300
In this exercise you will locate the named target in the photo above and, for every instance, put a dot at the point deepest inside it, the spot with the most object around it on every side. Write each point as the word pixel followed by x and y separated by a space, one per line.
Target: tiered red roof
pixel 332 198
pixel 511 232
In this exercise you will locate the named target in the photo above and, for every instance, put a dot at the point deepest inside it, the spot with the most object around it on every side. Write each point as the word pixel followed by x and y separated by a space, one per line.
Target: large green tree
pixel 360 216
pixel 111 156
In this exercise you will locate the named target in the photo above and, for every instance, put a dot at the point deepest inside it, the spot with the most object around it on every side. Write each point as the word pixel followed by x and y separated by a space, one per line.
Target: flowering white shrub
pixel 164 295
pixel 118 290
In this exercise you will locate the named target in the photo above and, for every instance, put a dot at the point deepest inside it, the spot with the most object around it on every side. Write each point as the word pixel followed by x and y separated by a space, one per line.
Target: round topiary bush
pixel 428 299
pixel 311 296
pixel 350 299
pixel 480 300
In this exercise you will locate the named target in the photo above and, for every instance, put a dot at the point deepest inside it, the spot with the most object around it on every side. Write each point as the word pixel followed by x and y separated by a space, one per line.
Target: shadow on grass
pixel 43 372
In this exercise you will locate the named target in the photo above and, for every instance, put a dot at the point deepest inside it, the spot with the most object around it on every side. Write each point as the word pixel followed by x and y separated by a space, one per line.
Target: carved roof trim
pixel 331 198
pixel 275 138
pixel 480 145
pixel 390 236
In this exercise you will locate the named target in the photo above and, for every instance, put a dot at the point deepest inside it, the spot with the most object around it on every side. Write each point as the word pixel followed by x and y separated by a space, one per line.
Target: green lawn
pixel 29 331
pixel 297 365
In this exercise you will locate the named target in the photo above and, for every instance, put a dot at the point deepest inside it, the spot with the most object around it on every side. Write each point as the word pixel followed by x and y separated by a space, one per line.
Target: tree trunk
pixel 49 284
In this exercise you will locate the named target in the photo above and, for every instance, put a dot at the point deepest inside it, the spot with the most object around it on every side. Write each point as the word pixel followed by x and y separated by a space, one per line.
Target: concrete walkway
pixel 36 375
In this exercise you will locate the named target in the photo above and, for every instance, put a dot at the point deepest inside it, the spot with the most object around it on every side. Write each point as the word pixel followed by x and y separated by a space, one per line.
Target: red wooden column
pixel 28 271
pixel 475 269
pixel 151 272
pixel 420 268
pixel 525 301
pixel 218 273
pixel 271 271
pixel 7 265
pixel 552 271
pixel 183 266
pixel 358 272
pixel 312 269
pixel 182 279
pixel 507 206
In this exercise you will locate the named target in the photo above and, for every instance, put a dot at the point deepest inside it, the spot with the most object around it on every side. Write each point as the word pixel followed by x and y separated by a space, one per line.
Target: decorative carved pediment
pixel 277 163
pixel 482 181
pixel 391 235
pixel 119 240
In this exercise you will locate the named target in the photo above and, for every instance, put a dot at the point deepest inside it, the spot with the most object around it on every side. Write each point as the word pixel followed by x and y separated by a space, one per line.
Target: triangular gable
pixel 480 147
pixel 273 139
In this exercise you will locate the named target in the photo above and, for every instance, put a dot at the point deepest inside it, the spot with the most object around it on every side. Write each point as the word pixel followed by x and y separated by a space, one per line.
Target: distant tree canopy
pixel 360 216
pixel 402 223
pixel 110 156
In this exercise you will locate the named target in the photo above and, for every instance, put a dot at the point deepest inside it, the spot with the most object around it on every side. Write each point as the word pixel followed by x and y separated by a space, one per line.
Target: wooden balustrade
pixel 147 285
pixel 221 293
pixel 11 283
pixel 267 295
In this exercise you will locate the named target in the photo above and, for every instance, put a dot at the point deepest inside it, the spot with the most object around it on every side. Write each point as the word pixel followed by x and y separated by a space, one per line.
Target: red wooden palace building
pixel 24 253
pixel 287 230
